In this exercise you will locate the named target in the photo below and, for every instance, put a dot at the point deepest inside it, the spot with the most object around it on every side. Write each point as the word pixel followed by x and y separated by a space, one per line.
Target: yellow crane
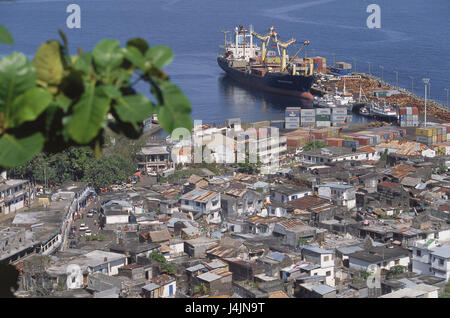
pixel 306 43
pixel 284 46
pixel 263 39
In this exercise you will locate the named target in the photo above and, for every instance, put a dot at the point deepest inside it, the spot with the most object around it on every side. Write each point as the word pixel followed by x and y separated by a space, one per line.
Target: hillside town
pixel 321 214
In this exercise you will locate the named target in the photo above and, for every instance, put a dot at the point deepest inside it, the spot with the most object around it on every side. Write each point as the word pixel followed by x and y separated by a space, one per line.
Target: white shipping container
pixel 323 111
pixel 338 117
pixel 291 125
pixel 308 112
pixel 323 124
pixel 339 111
pixel 308 119
pixel 292 119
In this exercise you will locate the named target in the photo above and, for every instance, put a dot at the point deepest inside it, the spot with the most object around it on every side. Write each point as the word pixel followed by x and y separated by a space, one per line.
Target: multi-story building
pixel 429 257
pixel 339 194
pixel 201 202
pixel 14 195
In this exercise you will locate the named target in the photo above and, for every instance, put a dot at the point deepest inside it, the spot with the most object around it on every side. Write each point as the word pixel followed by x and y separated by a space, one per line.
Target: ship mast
pixel 225 33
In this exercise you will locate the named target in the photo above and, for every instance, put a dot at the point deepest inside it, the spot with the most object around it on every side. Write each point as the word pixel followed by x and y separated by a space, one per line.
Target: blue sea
pixel 413 40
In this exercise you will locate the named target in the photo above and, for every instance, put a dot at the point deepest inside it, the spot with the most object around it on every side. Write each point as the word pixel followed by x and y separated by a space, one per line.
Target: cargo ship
pixel 264 69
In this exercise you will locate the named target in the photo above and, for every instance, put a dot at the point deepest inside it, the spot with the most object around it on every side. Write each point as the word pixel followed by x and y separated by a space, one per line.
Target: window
pixel 326 258
pixel 441 261
pixel 397 261
pixel 328 273
pixel 419 253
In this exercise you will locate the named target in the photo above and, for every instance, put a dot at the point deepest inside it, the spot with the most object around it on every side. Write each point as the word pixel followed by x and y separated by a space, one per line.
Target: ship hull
pixel 283 84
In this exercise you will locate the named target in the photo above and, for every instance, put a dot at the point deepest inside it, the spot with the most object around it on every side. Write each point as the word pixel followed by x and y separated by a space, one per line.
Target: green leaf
pixel 5 36
pixel 176 109
pixel 16 76
pixel 138 43
pixel 63 102
pixel 29 105
pixel 48 64
pixel 83 63
pixel 133 108
pixel 110 91
pixel 159 55
pixel 108 56
pixel 88 115
pixel 15 152
pixel 133 55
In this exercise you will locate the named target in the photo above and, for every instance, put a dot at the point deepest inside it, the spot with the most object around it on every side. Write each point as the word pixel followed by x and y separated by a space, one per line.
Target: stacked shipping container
pixel 409 117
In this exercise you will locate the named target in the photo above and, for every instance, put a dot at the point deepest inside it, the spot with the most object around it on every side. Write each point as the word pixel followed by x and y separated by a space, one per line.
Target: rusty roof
pixel 389 185
pixel 407 148
pixel 401 171
pixel 291 223
pixel 278 294
pixel 306 202
pixel 258 219
pixel 199 195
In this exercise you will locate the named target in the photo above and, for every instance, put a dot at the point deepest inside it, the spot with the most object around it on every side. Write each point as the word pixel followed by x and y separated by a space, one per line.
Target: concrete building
pixel 202 203
pixel 430 257
pixel 333 154
pixel 284 193
pixel 340 194
pixel 14 195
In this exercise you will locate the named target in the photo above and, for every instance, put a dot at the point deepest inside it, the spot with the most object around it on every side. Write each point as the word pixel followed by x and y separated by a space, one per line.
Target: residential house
pixel 197 247
pixel 284 193
pixel 162 286
pixel 153 159
pixel 261 226
pixel 340 194
pixel 430 257
pixel 323 258
pixel 291 230
pixel 384 257
pixel 202 203
pixel 14 195
pixel 333 154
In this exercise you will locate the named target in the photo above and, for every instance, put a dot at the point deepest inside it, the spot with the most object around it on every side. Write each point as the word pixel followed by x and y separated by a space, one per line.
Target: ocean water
pixel 413 40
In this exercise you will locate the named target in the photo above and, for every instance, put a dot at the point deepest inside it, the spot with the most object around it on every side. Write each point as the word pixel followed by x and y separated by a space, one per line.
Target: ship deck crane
pixel 306 43
pixel 263 39
pixel 284 46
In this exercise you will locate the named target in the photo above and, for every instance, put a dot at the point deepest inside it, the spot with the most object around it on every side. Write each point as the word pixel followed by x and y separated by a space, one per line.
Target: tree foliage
pixel 314 144
pixel 58 101
pixel 76 164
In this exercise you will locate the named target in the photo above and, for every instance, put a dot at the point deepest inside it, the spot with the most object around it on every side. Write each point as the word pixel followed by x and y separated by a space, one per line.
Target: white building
pixel 324 259
pixel 200 202
pixel 333 154
pixel 284 193
pixel 340 194
pixel 14 195
pixel 384 257
pixel 431 258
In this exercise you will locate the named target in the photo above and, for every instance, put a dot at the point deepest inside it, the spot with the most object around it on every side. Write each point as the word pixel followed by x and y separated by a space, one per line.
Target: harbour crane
pixel 284 46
